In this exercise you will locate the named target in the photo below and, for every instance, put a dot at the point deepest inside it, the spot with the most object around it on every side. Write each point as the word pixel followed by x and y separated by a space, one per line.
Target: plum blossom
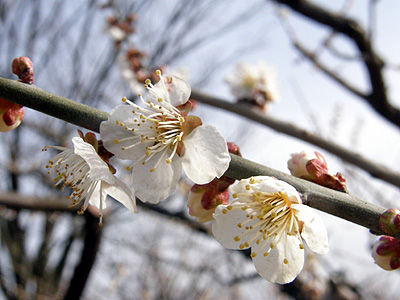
pixel 256 84
pixel 163 139
pixel 90 177
pixel 267 215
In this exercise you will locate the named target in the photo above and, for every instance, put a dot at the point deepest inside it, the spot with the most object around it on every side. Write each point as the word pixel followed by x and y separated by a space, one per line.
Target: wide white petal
pixel 272 267
pixel 98 168
pixel 206 154
pixel 158 185
pixel 314 231
pixel 110 131
pixel 225 228
pixel 122 193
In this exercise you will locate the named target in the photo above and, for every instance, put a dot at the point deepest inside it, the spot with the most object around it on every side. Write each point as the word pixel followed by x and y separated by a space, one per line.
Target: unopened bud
pixel 386 253
pixel 203 200
pixel 22 67
pixel 234 149
pixel 389 221
pixel 312 166
pixel 11 115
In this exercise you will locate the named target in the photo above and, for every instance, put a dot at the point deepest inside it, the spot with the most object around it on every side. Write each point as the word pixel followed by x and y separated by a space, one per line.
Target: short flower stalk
pixel 89 175
pixel 162 139
pixel 267 215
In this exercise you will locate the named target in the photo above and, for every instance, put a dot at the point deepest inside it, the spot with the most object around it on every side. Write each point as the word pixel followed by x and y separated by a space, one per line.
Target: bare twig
pixel 377 97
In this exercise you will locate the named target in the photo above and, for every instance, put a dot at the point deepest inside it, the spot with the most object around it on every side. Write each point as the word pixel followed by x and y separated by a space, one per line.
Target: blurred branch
pixel 374 65
pixel 376 170
pixel 18 201
pixel 330 201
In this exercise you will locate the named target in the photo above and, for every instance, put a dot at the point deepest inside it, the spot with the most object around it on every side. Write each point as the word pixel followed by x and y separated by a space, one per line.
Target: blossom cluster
pixel 160 139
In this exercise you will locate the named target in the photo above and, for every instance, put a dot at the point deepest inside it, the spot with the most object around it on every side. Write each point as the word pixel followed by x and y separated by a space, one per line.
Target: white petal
pixel 314 231
pixel 158 185
pixel 225 228
pixel 94 197
pixel 179 92
pixel 206 154
pixel 98 168
pixel 272 267
pixel 110 131
pixel 121 192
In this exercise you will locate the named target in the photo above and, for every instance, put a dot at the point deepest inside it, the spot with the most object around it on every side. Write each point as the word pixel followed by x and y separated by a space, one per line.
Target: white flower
pixel 162 140
pixel 268 217
pixel 257 82
pixel 89 176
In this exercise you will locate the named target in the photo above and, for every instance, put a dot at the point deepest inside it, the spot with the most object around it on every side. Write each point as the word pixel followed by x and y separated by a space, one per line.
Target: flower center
pixel 269 219
pixel 73 171
pixel 157 126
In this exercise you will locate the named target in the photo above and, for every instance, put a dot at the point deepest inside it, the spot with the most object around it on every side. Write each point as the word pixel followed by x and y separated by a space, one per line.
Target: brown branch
pixel 377 97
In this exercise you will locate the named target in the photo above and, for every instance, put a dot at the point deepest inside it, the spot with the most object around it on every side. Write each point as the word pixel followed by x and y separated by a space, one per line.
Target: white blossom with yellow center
pixel 162 140
pixel 83 170
pixel 248 79
pixel 268 217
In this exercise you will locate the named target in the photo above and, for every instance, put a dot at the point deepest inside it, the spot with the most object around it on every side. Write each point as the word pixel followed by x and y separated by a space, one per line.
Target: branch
pixel 330 201
pixel 375 170
pixel 377 97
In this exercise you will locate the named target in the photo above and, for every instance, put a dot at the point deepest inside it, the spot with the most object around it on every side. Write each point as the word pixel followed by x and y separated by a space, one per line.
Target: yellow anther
pixel 116 141
pixel 266 254
pixel 252 180
pixel 158 72
pixel 246 245
pixel 128 169
pixel 285 261
pixel 224 211
pixel 123 148
pixel 160 100
pixel 253 255
pixel 147 81
pixel 229 207
pixel 239 225
pixel 301 246
pixel 124 99
pixel 181 119
pixel 148 152
pixel 241 247
pixel 236 238
pixel 178 138
pixel 248 187
pixel 152 170
pixel 169 160
pixel 272 246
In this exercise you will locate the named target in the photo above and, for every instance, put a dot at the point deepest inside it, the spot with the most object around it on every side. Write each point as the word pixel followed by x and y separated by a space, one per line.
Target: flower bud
pixel 386 253
pixel 22 67
pixel 11 115
pixel 204 199
pixel 389 221
pixel 312 166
